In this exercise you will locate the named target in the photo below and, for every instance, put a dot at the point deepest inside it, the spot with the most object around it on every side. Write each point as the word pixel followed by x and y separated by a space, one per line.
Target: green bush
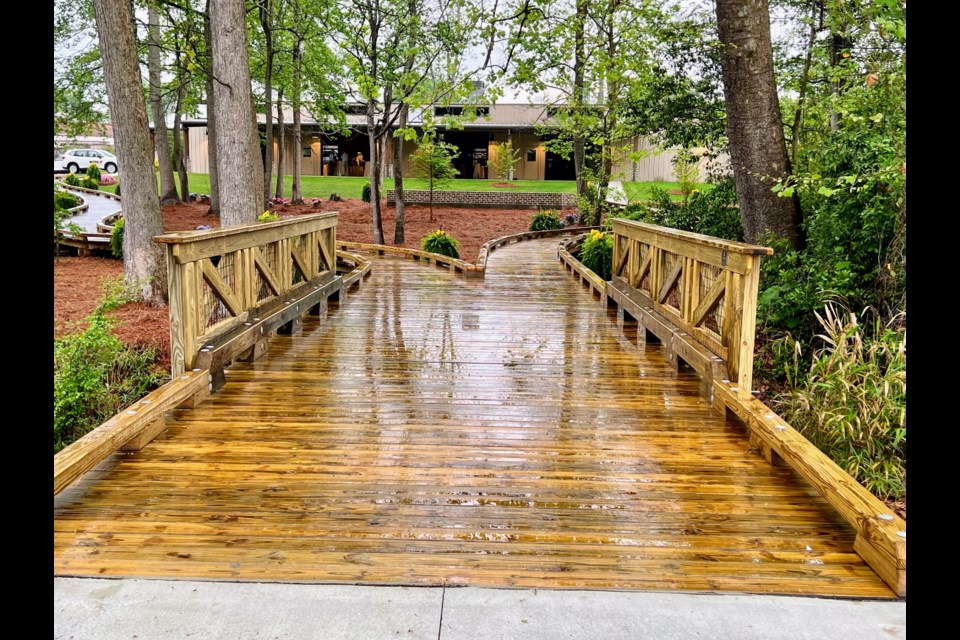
pixel 89 183
pixel 116 239
pixel 545 220
pixel 441 242
pixel 852 403
pixel 596 253
pixel 93 172
pixel 365 193
pixel 96 375
pixel 712 213
pixel 72 179
pixel 64 200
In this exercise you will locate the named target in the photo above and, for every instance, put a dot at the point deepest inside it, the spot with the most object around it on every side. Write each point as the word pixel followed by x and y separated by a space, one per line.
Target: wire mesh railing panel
pixel 212 309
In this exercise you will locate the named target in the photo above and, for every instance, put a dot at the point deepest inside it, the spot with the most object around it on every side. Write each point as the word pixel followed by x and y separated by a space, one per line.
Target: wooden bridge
pixel 431 429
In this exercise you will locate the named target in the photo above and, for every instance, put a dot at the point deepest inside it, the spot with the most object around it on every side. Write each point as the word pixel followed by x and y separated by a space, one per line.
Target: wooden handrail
pixel 218 278
pixel 707 286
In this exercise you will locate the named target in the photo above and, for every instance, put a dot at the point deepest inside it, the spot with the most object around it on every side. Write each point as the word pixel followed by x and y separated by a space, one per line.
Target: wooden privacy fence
pixel 221 279
pixel 706 286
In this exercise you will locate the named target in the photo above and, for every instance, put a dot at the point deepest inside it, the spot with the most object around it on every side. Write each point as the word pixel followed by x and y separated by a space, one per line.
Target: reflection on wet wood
pixel 436 430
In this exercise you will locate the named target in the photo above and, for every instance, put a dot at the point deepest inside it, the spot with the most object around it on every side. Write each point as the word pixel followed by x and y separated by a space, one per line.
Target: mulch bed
pixel 77 281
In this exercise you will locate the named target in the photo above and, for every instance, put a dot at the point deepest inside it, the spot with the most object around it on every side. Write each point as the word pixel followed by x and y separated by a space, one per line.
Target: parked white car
pixel 76 160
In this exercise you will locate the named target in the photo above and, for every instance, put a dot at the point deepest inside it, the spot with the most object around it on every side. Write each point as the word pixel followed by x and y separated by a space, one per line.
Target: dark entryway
pixel 558 168
pixel 472 151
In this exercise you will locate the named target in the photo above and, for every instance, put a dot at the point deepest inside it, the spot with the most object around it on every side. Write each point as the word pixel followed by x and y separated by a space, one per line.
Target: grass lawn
pixel 347 187
pixel 644 190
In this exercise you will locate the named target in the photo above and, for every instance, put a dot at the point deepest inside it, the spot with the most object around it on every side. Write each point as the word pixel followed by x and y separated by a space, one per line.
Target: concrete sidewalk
pixel 146 609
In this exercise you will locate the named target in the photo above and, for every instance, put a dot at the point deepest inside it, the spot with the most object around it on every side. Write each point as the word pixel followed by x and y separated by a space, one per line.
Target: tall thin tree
pixel 168 188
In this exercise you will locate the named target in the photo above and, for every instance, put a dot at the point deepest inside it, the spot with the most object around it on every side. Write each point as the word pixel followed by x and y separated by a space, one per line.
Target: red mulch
pixel 77 280
pixel 503 185
pixel 471 227
pixel 77 290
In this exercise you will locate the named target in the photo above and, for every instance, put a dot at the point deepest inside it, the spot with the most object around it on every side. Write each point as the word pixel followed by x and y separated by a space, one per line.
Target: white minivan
pixel 74 160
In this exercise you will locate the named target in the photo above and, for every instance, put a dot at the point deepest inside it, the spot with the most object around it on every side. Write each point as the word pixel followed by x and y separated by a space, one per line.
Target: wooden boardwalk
pixel 441 430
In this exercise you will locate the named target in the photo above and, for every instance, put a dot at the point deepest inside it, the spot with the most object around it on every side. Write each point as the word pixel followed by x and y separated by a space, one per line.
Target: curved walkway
pixel 99 207
pixel 435 430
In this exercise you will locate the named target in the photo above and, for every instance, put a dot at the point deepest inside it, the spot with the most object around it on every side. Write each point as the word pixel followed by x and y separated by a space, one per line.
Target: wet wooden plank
pixel 435 430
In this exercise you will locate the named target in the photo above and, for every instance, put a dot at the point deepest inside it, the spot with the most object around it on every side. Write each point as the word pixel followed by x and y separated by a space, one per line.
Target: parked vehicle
pixel 76 160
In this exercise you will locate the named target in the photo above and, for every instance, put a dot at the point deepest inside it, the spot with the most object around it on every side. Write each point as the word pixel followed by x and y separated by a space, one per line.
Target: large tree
pixel 144 261
pixel 758 151
pixel 240 170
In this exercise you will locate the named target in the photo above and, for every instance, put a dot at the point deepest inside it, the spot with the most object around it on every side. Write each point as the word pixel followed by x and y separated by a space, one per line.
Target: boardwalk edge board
pixel 127 426
pixel 881 534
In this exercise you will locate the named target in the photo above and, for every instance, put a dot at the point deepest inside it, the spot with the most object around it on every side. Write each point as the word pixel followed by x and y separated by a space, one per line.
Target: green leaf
pixel 826 191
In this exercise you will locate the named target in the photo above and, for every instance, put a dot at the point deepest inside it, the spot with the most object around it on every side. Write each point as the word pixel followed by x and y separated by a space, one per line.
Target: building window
pixel 531 155
pixel 306 152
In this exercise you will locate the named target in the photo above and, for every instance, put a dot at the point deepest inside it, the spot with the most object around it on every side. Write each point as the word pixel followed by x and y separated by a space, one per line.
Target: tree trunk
pixel 579 67
pixel 281 147
pixel 374 178
pixel 144 260
pixel 758 151
pixel 178 149
pixel 168 188
pixel 266 10
pixel 211 124
pixel 398 231
pixel 297 195
pixel 238 154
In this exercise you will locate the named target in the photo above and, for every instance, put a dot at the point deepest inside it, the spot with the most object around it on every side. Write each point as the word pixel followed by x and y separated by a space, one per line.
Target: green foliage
pixel 268 216
pixel 441 242
pixel 365 192
pixel 852 404
pixel 504 159
pixel 545 220
pixel 89 183
pixel 687 171
pixel 93 172
pixel 116 239
pixel 596 253
pixel 72 179
pixel 710 212
pixel 64 200
pixel 95 375
pixel 433 161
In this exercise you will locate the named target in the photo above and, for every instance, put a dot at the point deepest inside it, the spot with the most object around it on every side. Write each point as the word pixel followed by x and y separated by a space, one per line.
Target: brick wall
pixel 500 199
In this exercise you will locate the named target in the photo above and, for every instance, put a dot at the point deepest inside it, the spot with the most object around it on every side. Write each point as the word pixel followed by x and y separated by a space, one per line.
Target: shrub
pixel 116 239
pixel 64 200
pixel 545 220
pixel 441 242
pixel 687 173
pixel 365 193
pixel 93 172
pixel 268 216
pixel 852 404
pixel 108 180
pixel 596 253
pixel 89 183
pixel 95 375
pixel 711 213
pixel 571 220
pixel 72 179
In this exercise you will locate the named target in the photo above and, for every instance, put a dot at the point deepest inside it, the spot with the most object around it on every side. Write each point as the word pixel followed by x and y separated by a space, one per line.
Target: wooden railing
pixel 704 285
pixel 220 278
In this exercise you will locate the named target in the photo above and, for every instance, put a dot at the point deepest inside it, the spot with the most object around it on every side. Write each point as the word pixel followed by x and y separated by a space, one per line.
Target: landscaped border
pixel 487 199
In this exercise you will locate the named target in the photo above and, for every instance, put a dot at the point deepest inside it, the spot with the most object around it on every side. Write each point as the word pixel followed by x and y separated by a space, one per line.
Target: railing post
pixel 175 300
pixel 748 325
